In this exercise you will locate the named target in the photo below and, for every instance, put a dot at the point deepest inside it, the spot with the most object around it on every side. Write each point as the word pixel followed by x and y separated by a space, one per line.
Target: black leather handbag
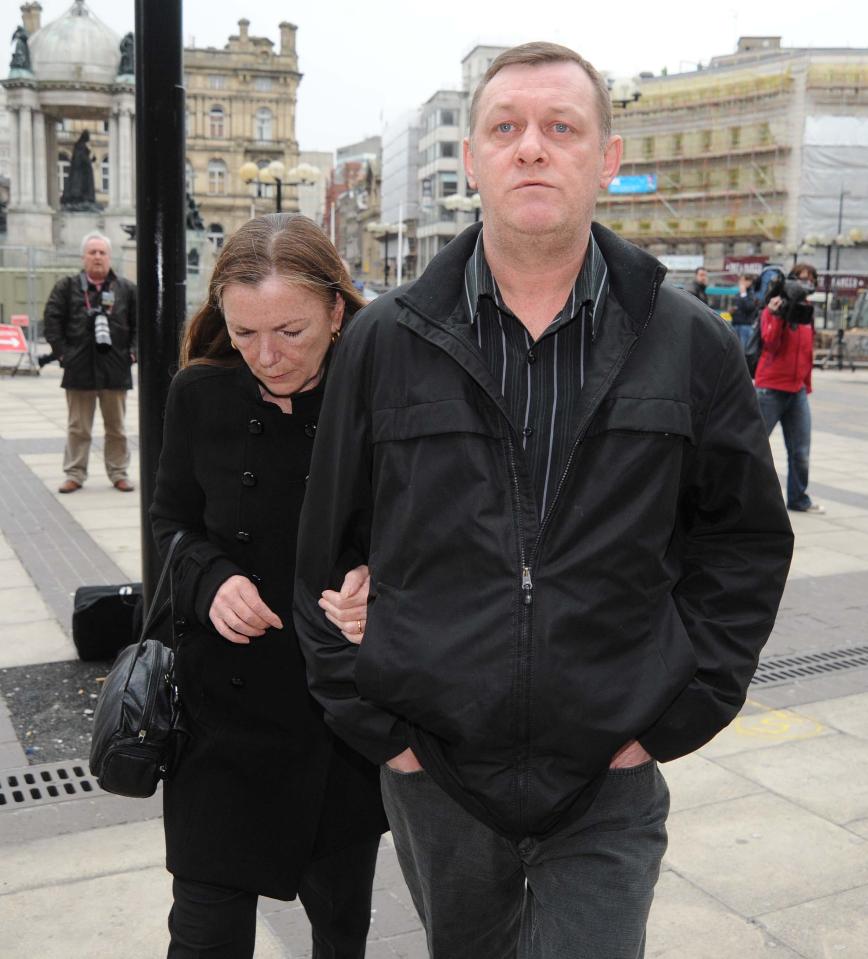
pixel 137 727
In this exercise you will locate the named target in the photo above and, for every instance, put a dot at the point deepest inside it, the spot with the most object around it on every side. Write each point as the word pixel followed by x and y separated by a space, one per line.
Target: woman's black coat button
pixel 242 537
pixel 249 479
pixel 255 427
pixel 237 682
pixel 256 580
pixel 310 430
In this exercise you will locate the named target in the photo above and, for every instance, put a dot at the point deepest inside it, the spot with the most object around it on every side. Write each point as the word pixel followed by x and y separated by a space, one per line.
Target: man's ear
pixel 611 161
pixel 468 164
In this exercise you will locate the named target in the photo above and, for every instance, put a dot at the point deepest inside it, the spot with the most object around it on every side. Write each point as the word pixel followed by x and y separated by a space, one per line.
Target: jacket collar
pixel 632 276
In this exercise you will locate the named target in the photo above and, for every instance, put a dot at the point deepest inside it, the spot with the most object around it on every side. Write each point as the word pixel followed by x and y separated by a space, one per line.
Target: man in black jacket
pixel 556 467
pixel 90 323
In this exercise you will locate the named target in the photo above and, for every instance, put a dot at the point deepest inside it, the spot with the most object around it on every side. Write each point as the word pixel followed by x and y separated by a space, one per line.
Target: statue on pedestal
pixel 194 217
pixel 80 192
pixel 21 54
pixel 127 65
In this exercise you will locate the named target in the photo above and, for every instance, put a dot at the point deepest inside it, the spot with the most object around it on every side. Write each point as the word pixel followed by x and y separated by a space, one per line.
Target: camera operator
pixel 90 323
pixel 783 376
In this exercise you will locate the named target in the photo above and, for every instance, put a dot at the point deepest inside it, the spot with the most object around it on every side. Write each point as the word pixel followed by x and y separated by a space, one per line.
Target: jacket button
pixel 237 682
pixel 181 622
pixel 242 537
pixel 248 479
pixel 531 356
pixel 527 431
pixel 255 427
pixel 255 579
pixel 310 430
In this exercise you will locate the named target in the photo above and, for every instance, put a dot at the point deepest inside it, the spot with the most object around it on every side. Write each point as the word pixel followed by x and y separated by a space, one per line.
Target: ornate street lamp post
pixel 276 173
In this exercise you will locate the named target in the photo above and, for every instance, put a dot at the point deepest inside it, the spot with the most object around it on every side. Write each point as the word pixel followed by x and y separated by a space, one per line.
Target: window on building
pixel 447 118
pixel 448 148
pixel 217 81
pixel 193 262
pixel 448 184
pixel 262 124
pixel 104 171
pixel 189 178
pixel 216 177
pixel 217 124
pixel 678 144
pixel 765 134
pixel 105 126
pixel 648 147
pixel 734 136
pixel 215 234
pixel 62 170
pixel 733 177
pixel 262 84
pixel 706 140
pixel 761 175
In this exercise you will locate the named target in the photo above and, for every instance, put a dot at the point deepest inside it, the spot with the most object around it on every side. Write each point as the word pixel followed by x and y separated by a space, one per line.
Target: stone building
pixel 241 104
pixel 747 156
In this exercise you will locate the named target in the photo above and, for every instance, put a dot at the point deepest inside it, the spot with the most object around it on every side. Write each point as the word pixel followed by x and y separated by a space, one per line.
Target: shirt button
pixel 527 431
pixel 242 537
pixel 310 430
pixel 255 427
pixel 248 479
pixel 531 356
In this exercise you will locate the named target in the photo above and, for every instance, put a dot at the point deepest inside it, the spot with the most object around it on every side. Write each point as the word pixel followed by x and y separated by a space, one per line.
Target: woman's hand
pixel 630 754
pixel 348 609
pixel 238 611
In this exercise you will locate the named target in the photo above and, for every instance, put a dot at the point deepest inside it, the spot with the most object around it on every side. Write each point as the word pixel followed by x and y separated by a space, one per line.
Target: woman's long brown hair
pixel 285 244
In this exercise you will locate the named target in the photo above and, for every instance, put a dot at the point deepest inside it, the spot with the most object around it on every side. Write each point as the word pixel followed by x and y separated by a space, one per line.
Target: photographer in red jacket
pixel 783 376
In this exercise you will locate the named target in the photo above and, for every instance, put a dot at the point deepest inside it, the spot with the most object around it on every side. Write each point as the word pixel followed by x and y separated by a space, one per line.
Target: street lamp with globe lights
pixel 384 232
pixel 275 172
pixel 464 204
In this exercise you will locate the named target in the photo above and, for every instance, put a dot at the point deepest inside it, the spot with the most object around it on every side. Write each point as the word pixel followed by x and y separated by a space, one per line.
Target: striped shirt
pixel 540 381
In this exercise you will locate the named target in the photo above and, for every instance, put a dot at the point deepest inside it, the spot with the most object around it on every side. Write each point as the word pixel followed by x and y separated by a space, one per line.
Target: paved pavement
pixel 768 850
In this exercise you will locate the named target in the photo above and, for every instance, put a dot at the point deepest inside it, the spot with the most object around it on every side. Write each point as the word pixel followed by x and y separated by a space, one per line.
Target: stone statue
pixel 194 217
pixel 21 54
pixel 128 56
pixel 80 193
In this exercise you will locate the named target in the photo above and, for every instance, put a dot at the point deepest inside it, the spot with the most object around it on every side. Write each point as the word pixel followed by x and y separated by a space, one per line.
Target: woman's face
pixel 282 330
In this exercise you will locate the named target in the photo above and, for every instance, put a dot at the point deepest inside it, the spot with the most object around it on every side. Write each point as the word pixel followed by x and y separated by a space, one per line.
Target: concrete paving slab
pixel 93 519
pixel 763 729
pixel 27 607
pixel 852 542
pixel 680 910
pixel 860 828
pixel 819 561
pixel 849 714
pixel 804 772
pixel 12 576
pixel 29 643
pixel 122 914
pixel 696 781
pixel 763 853
pixel 833 926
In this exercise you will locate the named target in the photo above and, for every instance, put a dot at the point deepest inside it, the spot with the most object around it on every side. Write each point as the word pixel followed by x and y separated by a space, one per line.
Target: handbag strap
pixel 154 613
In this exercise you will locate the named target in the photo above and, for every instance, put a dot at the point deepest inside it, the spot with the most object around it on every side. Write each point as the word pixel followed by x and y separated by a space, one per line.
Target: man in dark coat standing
pixel 90 323
pixel 700 284
pixel 557 469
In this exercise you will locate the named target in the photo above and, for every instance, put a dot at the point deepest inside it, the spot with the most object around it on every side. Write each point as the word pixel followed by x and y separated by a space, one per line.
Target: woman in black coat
pixel 265 800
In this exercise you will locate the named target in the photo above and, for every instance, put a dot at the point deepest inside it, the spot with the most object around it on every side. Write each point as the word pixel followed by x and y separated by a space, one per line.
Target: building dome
pixel 75 48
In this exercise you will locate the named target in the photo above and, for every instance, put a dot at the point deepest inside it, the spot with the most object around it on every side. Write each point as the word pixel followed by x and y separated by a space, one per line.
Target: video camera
pixel 794 308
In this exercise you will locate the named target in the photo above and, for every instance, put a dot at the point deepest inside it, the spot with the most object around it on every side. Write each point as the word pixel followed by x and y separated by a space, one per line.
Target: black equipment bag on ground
pixel 137 730
pixel 103 619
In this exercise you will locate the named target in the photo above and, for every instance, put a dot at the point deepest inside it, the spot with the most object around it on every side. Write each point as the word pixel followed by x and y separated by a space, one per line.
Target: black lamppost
pixel 276 173
pixel 384 232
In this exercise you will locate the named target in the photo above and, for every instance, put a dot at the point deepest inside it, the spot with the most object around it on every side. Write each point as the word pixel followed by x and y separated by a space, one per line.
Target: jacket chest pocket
pixel 646 417
pixel 435 418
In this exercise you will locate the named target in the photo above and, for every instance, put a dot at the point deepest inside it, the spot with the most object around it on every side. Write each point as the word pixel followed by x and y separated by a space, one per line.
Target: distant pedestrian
pixel 90 323
pixel 699 284
pixel 783 377
pixel 744 309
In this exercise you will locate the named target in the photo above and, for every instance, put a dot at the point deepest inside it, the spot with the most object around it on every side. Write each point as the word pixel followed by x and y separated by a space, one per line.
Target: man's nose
pixel 531 148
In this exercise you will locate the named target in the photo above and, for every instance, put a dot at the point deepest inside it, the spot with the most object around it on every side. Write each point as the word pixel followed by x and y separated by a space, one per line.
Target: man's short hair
pixel 808 268
pixel 95 235
pixel 699 269
pixel 536 54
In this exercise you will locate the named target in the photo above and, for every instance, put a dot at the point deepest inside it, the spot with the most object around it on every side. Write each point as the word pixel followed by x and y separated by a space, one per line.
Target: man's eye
pixel 561 128
pixel 505 127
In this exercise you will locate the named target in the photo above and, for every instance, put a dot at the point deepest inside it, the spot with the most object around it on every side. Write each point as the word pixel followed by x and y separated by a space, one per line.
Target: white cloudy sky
pixel 364 62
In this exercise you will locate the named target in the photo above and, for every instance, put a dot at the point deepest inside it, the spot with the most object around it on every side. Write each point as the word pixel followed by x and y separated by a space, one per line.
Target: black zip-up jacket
pixel 517 655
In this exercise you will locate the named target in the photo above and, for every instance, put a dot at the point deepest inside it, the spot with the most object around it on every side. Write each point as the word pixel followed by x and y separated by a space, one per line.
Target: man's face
pixel 702 277
pixel 535 154
pixel 96 259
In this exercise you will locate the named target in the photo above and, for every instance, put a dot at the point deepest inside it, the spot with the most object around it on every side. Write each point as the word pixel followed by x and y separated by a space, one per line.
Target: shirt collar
pixel 591 285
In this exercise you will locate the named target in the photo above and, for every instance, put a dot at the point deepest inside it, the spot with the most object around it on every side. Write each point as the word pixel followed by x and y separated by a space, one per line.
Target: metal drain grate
pixel 48 783
pixel 772 672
